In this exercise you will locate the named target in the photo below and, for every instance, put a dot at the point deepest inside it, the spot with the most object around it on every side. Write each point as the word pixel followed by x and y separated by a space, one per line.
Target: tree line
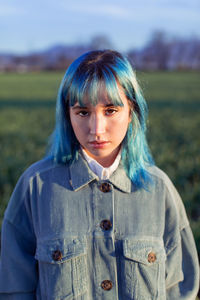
pixel 161 52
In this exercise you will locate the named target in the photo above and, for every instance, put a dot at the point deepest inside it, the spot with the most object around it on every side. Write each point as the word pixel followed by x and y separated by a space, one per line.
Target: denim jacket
pixel 68 235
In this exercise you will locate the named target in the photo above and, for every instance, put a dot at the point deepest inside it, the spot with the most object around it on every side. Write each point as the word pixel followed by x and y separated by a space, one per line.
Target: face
pixel 101 129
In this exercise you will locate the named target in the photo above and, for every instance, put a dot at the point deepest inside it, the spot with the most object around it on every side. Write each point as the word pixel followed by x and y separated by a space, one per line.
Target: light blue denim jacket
pixel 68 235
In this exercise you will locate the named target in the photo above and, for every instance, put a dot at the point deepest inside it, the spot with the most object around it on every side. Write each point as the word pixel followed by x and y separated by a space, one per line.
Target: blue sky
pixel 27 25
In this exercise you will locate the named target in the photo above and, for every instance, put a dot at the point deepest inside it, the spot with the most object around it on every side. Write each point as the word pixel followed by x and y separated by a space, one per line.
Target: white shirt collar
pixel 99 170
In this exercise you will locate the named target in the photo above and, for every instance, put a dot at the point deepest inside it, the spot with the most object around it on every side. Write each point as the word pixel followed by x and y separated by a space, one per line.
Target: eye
pixel 111 111
pixel 83 113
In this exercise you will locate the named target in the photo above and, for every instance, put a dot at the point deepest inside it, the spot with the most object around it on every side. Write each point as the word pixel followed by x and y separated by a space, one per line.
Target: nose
pixel 97 124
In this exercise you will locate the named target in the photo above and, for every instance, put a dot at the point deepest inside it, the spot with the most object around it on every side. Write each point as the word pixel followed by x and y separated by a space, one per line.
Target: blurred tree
pixel 157 50
pixel 100 42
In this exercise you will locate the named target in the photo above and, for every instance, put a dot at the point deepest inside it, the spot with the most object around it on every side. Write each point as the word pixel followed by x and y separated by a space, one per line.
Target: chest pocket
pixel 62 268
pixel 143 269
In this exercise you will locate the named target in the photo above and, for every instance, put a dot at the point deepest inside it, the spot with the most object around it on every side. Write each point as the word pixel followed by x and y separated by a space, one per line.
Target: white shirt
pixel 99 170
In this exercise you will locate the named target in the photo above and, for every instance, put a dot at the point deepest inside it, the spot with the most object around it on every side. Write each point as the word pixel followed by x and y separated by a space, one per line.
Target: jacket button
pixel 151 257
pixel 106 285
pixel 106 225
pixel 57 255
pixel 105 187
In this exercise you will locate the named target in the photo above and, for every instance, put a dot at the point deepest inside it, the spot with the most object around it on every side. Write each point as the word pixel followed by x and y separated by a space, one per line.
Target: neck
pixel 106 161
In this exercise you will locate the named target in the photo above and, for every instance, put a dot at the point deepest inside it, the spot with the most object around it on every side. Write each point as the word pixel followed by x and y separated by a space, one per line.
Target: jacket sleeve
pixel 18 267
pixel 182 266
pixel 182 269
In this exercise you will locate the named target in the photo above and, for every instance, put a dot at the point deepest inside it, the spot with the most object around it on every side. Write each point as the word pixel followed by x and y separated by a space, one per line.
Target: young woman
pixel 97 219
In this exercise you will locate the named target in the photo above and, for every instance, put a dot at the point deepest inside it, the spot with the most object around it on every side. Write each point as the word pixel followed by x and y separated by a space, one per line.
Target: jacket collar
pixel 82 175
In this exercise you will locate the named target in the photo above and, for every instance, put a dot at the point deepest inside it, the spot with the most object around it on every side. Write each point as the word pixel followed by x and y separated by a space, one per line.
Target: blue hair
pixel 84 78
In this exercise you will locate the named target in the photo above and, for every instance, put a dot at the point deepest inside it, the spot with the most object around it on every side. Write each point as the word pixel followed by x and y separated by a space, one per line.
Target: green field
pixel 27 104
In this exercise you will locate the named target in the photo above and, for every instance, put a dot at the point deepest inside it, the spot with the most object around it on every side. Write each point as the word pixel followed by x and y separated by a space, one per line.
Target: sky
pixel 32 25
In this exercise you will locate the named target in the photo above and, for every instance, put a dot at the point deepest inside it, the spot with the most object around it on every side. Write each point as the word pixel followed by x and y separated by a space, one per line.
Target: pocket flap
pixel 67 248
pixel 144 251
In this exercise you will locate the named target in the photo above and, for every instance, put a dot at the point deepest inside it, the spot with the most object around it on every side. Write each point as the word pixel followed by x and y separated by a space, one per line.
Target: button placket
pixel 104 219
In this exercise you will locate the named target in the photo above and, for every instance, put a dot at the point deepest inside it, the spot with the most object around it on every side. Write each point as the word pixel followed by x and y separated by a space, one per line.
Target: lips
pixel 99 144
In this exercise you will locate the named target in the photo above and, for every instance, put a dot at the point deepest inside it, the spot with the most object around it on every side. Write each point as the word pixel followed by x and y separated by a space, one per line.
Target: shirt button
pixel 105 187
pixel 57 255
pixel 151 257
pixel 106 285
pixel 106 225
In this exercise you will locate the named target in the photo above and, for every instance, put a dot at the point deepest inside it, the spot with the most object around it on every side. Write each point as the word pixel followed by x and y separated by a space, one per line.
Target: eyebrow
pixel 85 107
